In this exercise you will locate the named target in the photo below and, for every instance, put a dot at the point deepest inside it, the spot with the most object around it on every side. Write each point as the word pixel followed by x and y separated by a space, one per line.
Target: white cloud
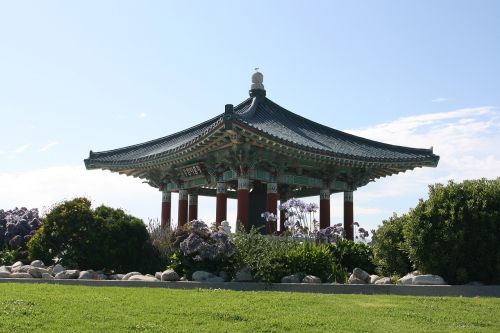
pixel 21 149
pixel 439 100
pixel 49 145
pixel 142 115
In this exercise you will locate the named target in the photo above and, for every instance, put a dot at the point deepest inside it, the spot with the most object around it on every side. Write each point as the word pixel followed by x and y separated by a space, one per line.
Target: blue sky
pixel 99 75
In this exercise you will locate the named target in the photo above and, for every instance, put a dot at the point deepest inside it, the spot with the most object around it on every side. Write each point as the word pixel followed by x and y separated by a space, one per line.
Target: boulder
pixel 129 275
pixel 355 280
pixel 311 279
pixel 68 274
pixel 374 278
pixel 202 276
pixel 21 276
pixel 384 280
pixel 88 275
pixel 47 276
pixel 158 275
pixel 294 278
pixel 214 279
pixel 142 278
pixel 4 275
pixel 21 269
pixel 183 279
pixel 5 269
pixel 116 276
pixel 244 275
pixel 56 269
pixel 428 279
pixel 360 274
pixel 169 275
pixel 37 272
pixel 37 263
pixel 407 279
pixel 17 264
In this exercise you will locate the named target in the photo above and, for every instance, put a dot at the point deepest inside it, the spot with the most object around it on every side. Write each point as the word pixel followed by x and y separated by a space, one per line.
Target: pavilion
pixel 259 153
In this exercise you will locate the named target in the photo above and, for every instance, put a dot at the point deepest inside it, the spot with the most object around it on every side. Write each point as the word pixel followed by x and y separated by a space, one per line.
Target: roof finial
pixel 257 79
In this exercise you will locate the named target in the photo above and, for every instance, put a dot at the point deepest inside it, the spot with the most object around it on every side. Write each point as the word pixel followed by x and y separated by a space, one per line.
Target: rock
pixel 202 276
pixel 68 274
pixel 407 279
pixel 47 276
pixel 116 277
pixel 169 275
pixel 21 276
pixel 428 279
pixel 21 269
pixel 158 275
pixel 101 276
pixel 5 269
pixel 57 269
pixel 37 263
pixel 355 280
pixel 415 273
pixel 374 278
pixel 129 275
pixel 17 264
pixel 311 279
pixel 88 275
pixel 384 280
pixel 183 279
pixel 4 275
pixel 223 275
pixel 244 275
pixel 37 272
pixel 214 279
pixel 361 274
pixel 142 278
pixel 294 278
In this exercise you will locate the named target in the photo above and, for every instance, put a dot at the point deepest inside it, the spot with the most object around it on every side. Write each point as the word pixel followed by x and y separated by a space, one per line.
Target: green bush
pixel 93 239
pixel 456 232
pixel 351 255
pixel 8 257
pixel 390 254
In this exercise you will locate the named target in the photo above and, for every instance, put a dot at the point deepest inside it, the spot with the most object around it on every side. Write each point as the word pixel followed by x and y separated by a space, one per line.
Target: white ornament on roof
pixel 257 79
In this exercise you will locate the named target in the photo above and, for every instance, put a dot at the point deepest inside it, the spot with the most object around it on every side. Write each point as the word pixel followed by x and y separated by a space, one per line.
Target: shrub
pixel 390 254
pixel 351 255
pixel 17 226
pixel 456 232
pixel 80 237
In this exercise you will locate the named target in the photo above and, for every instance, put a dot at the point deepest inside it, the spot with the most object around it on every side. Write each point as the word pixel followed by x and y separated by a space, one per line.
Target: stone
pixel 21 269
pixel 17 264
pixel 37 272
pixel 158 275
pixel 88 275
pixel 116 276
pixel 4 275
pixel 21 276
pixel 384 280
pixel 407 279
pixel 37 263
pixel 47 276
pixel 428 280
pixel 183 279
pixel 68 274
pixel 361 274
pixel 142 278
pixel 5 269
pixel 311 279
pixel 101 276
pixel 294 278
pixel 355 280
pixel 170 275
pixel 202 276
pixel 214 279
pixel 57 269
pixel 374 278
pixel 223 275
pixel 244 275
pixel 129 275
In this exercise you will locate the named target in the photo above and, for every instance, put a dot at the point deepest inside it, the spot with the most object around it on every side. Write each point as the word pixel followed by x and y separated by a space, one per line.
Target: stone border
pixel 364 289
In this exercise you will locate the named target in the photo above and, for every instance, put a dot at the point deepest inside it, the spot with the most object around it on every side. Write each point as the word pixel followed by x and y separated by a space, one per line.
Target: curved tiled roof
pixel 268 119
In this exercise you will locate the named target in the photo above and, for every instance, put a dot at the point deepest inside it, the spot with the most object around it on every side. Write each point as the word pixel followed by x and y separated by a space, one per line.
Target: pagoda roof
pixel 263 117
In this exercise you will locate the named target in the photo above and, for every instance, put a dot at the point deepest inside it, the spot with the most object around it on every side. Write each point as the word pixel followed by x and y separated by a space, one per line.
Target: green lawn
pixel 53 308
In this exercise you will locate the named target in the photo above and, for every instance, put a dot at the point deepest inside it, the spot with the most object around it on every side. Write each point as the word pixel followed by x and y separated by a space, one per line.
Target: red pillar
pixel 272 206
pixel 193 207
pixel 348 215
pixel 221 203
pixel 242 196
pixel 324 209
pixel 183 208
pixel 166 209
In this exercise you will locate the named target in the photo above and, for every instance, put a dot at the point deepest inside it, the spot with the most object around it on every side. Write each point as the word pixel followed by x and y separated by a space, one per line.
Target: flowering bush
pixel 203 249
pixel 17 226
pixel 300 218
pixel 331 234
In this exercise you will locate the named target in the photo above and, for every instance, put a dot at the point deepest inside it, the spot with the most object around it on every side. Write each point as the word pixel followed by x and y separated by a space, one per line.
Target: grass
pixel 55 308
